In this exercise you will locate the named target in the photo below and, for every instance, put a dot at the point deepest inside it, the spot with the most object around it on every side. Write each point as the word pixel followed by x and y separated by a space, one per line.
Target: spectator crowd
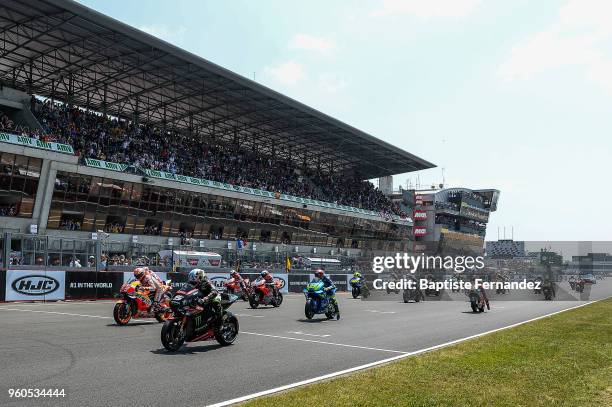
pixel 94 136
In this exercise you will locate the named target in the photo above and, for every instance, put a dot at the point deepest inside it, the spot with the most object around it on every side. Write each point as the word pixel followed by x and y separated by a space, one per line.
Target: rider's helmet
pixel 140 272
pixel 357 274
pixel 234 274
pixel 196 277
pixel 319 273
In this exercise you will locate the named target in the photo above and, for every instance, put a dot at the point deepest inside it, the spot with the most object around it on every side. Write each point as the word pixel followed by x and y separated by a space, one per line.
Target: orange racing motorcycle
pixel 136 302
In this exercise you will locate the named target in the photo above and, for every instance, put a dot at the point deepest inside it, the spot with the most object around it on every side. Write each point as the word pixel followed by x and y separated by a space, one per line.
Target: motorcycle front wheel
pixel 122 313
pixel 229 330
pixel 278 300
pixel 308 310
pixel 474 306
pixel 355 292
pixel 253 302
pixel 172 336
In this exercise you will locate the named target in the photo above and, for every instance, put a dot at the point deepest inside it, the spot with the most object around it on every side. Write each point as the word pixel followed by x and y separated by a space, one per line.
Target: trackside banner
pixel 106 165
pixel 32 142
pixel 2 285
pixel 33 285
pixel 89 285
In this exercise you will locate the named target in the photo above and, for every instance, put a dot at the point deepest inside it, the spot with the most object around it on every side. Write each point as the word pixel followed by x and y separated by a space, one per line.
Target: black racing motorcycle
pixel 192 323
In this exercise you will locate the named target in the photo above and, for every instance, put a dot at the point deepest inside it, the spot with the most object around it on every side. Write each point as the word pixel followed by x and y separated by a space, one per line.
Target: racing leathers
pixel 211 297
pixel 328 285
pixel 152 281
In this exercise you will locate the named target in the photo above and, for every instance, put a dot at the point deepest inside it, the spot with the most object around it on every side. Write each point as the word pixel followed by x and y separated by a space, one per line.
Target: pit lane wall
pixel 56 285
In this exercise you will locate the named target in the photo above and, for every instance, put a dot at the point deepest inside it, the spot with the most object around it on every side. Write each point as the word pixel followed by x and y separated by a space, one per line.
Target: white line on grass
pixel 379 362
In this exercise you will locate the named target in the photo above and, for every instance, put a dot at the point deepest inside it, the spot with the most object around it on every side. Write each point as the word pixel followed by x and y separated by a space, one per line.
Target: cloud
pixel 286 73
pixel 331 83
pixel 172 35
pixel 311 43
pixel 579 37
pixel 426 9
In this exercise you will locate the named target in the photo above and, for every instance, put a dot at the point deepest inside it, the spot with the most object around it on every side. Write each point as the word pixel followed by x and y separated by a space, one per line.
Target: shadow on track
pixel 188 350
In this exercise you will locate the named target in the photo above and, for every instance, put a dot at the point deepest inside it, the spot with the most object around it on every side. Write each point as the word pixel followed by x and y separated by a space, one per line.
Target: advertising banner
pixel 35 285
pixel 419 231
pixel 297 282
pixel 85 285
pixel 420 215
pixel 90 162
pixel 2 284
pixel 340 281
pixel 32 142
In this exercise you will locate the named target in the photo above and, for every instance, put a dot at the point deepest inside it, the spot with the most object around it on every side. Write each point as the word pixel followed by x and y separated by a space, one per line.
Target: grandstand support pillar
pixel 98 254
pixel 44 195
pixel 70 90
pixel 6 250
pixel 104 101
pixel 30 77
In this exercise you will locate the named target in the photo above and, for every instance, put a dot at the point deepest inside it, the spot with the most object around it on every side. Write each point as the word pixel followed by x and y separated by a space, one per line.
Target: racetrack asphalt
pixel 76 346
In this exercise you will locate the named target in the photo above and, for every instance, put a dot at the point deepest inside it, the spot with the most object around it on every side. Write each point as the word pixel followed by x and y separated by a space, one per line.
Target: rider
pixel 238 278
pixel 148 279
pixel 269 281
pixel 210 296
pixel 328 285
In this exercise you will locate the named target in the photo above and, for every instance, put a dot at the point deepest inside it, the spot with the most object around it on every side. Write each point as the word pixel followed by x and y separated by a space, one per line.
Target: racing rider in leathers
pixel 269 280
pixel 329 286
pixel 209 295
pixel 148 279
pixel 238 278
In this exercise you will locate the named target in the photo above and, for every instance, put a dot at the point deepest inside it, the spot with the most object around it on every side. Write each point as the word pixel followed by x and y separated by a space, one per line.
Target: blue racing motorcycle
pixel 318 301
pixel 359 287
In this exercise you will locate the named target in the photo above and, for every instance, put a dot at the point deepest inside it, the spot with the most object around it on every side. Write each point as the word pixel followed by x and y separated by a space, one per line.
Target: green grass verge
pixel 563 360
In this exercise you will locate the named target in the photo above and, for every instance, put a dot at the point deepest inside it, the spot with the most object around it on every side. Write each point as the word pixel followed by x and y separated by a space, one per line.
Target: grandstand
pixel 108 129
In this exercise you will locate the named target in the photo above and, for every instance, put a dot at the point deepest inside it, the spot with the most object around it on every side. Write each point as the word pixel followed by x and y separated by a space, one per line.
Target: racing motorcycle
pixel 136 302
pixel 319 302
pixel 233 287
pixel 192 323
pixel 477 301
pixel 415 294
pixel 260 293
pixel 359 287
pixel 548 293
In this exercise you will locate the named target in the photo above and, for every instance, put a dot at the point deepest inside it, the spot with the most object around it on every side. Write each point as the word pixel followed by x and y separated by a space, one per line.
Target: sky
pixel 513 95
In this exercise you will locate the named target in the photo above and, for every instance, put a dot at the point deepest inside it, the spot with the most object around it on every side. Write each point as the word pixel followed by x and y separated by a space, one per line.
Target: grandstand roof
pixel 63 50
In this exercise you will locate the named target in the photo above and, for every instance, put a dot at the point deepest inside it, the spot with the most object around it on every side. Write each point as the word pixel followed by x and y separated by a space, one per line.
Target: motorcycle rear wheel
pixel 171 335
pixel 122 313
pixel 229 330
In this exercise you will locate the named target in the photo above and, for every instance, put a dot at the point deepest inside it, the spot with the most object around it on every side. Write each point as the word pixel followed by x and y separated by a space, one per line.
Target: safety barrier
pixel 56 285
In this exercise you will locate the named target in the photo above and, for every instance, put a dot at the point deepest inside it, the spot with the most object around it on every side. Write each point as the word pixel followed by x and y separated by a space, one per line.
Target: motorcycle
pixel 136 302
pixel 261 294
pixel 415 294
pixel 359 287
pixel 192 322
pixel 477 301
pixel 318 301
pixel 233 287
pixel 548 293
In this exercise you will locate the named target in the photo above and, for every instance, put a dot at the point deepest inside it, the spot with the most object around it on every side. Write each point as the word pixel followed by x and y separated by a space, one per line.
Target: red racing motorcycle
pixel 233 287
pixel 260 293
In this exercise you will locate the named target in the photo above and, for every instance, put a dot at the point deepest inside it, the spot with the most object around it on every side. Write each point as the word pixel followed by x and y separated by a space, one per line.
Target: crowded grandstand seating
pixel 108 139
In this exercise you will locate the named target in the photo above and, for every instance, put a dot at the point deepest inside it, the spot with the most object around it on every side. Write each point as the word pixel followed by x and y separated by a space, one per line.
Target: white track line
pixel 380 312
pixel 247 315
pixel 54 312
pixel 302 333
pixel 380 362
pixel 323 342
